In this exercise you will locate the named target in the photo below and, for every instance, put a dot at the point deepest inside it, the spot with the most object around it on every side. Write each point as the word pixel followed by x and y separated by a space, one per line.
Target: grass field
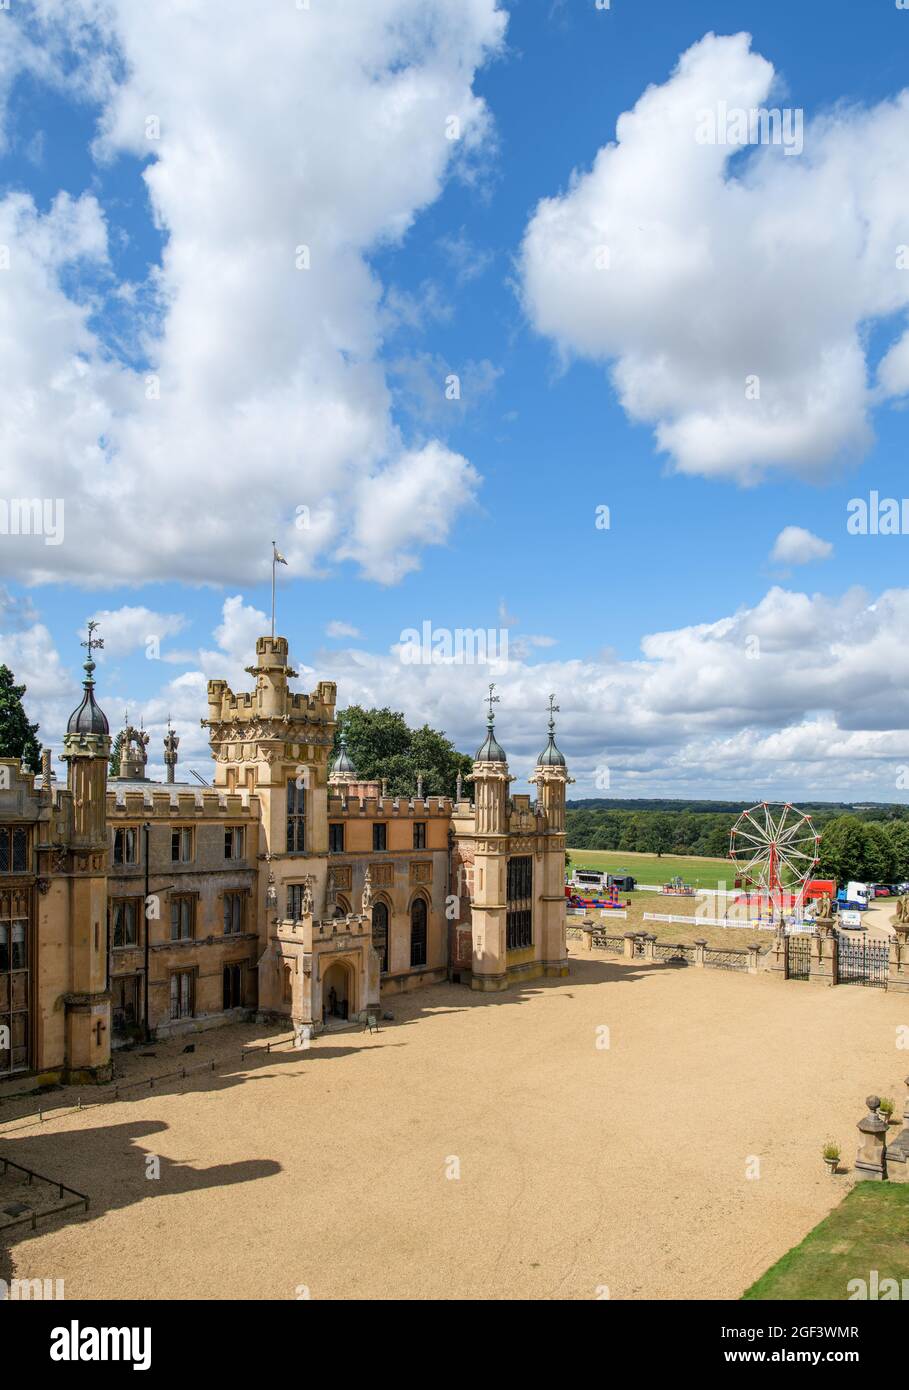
pixel 868 1231
pixel 648 868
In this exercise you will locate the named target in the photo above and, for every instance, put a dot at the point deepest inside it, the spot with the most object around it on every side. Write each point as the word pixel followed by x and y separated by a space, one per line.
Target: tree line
pixel 870 845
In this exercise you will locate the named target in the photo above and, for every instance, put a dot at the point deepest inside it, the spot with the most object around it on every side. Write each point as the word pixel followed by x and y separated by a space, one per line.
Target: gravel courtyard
pixel 582 1168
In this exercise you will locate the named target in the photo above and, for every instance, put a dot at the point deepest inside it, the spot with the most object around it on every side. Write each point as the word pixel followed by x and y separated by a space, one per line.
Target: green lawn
pixel 648 868
pixel 868 1231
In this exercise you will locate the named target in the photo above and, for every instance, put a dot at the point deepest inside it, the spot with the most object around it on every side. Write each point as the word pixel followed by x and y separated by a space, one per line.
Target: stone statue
pixel 823 908
pixel 367 890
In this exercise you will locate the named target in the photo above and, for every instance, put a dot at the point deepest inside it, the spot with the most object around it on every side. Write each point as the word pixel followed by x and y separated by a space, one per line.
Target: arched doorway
pixel 418 932
pixel 380 934
pixel 337 989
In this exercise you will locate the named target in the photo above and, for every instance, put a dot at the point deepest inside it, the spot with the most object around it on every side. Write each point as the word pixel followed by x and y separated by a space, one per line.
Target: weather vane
pixel 491 700
pixel 93 641
pixel 553 709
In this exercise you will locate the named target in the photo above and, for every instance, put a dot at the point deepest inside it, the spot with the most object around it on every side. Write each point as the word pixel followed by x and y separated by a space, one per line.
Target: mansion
pixel 288 890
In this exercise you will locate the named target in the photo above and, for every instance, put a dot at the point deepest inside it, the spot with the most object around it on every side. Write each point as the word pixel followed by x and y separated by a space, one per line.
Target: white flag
pixel 279 558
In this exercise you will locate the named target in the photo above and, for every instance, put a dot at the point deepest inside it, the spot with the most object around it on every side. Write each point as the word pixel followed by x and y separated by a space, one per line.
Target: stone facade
pixel 291 889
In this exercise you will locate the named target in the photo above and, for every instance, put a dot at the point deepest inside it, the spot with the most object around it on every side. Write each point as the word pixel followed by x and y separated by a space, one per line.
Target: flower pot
pixel 832 1165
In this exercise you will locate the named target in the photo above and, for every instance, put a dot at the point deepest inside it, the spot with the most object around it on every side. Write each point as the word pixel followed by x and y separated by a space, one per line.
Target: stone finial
pixel 171 744
pixel 871 1160
pixel 459 788
pixel 419 789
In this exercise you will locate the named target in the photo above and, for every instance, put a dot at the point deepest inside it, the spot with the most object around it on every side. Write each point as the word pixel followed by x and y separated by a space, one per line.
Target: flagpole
pixel 274 549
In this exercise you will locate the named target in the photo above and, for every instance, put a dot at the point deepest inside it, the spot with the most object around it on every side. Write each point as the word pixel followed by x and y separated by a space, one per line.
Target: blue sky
pixel 162 260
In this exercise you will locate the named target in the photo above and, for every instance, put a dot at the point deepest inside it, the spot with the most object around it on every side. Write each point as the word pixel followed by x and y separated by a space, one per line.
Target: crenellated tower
pixel 276 742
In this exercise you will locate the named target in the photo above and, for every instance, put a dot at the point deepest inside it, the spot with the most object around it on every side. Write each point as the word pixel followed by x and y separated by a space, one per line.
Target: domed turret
pixel 86 749
pixel 89 718
pixel 342 769
pixel 490 750
pixel 551 756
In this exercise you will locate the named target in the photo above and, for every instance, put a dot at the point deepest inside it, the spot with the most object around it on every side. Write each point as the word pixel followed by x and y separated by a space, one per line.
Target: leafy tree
pixel 660 833
pixel 843 850
pixel 879 855
pixel 18 738
pixel 380 744
pixel 898 835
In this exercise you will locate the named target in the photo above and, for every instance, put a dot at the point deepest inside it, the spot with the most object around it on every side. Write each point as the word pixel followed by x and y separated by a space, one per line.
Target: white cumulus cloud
pixel 730 293
pixel 796 546
pixel 275 138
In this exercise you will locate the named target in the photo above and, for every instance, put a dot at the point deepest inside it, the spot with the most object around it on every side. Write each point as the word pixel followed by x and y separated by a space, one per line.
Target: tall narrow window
pixel 124 922
pixel 419 834
pixel 233 842
pixel 233 914
pixel 233 986
pixel 181 845
pixel 181 994
pixel 380 934
pixel 126 845
pixel 14 992
pixel 13 850
pixel 336 838
pixel 181 917
pixel 519 903
pixel 296 817
pixel 418 932
pixel 380 836
pixel 295 893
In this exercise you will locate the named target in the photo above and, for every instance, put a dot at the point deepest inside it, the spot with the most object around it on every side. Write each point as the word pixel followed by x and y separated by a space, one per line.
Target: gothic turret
pixel 133 754
pixel 86 1001
pixel 491 779
pixel 86 749
pixel 551 777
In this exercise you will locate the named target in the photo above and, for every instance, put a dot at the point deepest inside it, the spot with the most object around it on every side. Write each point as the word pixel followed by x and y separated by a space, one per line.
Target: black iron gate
pixel 798 957
pixel 862 962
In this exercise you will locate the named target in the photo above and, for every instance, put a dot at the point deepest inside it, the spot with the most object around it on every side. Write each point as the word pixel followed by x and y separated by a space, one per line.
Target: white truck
pixel 854 895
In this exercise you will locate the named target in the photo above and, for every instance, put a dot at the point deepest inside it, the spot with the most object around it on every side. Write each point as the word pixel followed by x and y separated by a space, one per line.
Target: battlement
pixel 272 699
pixel 182 805
pixel 389 807
pixel 316 707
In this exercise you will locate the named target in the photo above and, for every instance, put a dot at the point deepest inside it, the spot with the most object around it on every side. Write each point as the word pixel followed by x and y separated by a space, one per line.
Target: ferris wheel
pixel 775 849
